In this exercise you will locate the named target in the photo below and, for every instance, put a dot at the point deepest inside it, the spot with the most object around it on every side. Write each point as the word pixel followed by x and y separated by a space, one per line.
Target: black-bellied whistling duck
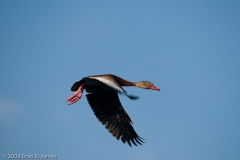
pixel 103 98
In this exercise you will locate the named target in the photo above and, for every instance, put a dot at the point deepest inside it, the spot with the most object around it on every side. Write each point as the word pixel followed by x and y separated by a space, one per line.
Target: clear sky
pixel 189 49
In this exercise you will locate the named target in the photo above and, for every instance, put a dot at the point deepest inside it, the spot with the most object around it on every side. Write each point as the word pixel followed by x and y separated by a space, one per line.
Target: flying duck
pixel 103 98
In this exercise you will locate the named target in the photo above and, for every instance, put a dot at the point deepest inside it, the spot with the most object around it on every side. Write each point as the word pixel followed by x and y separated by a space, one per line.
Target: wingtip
pixel 132 97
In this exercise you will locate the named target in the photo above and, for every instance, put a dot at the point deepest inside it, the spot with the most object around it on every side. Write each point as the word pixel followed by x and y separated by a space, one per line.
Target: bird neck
pixel 124 82
pixel 138 84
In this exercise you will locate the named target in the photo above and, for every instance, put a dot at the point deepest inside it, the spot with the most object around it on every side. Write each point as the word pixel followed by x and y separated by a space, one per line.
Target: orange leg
pixel 76 95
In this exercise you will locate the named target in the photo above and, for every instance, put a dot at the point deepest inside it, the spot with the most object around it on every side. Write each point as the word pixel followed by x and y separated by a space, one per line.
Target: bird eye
pixel 148 83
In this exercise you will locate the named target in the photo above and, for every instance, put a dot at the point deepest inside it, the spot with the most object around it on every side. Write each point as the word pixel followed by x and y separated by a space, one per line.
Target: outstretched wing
pixel 108 109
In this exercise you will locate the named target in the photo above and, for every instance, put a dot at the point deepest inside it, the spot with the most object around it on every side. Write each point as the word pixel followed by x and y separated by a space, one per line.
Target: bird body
pixel 103 98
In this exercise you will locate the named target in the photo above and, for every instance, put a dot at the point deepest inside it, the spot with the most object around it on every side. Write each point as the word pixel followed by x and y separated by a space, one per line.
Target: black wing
pixel 108 109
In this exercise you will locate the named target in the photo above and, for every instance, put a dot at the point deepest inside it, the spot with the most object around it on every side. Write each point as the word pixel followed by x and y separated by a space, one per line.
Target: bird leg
pixel 76 95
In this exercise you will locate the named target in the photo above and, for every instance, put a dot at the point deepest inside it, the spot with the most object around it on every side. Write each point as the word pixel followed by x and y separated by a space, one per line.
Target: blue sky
pixel 189 49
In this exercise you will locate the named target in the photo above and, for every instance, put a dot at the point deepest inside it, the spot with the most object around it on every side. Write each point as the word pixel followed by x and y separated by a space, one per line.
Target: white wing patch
pixel 110 83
